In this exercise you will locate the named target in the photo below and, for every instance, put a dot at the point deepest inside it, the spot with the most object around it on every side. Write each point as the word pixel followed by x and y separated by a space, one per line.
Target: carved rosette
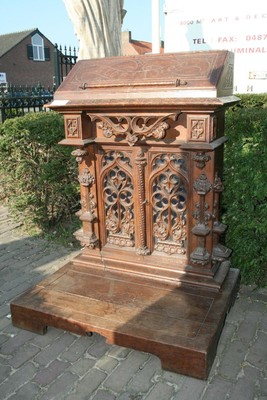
pixel 133 128
pixel 169 202
pixel 200 255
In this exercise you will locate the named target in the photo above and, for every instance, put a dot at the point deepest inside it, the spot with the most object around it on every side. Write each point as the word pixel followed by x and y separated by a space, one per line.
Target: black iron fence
pixel 16 101
pixel 64 60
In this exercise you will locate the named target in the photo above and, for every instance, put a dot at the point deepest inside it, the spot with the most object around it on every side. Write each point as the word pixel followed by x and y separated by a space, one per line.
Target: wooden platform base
pixel 180 325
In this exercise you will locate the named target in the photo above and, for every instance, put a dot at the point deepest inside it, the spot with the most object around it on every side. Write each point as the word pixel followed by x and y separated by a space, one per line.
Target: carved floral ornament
pixel 197 129
pixel 134 128
pixel 201 158
pixel 86 178
pixel 201 185
pixel 79 154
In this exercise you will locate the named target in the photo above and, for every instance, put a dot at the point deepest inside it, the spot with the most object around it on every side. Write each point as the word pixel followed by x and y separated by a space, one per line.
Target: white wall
pixel 192 25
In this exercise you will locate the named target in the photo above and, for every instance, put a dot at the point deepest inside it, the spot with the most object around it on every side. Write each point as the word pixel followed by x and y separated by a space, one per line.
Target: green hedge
pixel 38 175
pixel 251 101
pixel 245 182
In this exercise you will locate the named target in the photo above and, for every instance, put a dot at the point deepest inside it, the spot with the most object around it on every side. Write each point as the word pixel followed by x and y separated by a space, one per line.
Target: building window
pixel 37 51
pixel 38 47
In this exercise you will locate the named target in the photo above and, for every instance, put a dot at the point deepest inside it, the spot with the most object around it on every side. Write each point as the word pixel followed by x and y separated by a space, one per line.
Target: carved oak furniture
pixel 148 133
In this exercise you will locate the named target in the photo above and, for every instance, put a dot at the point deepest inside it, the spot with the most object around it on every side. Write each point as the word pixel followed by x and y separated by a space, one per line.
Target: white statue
pixel 97 24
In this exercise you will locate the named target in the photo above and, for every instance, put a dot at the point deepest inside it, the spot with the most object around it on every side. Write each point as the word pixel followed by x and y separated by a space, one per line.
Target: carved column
pixel 141 244
pixel 202 187
pixel 87 213
pixel 219 252
pixel 78 132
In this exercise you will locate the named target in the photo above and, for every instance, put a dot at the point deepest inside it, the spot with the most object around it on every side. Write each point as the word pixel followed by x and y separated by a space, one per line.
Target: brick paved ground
pixel 61 365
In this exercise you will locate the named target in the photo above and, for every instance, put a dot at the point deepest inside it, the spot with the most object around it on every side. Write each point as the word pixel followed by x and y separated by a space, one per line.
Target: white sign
pixel 2 77
pixel 226 25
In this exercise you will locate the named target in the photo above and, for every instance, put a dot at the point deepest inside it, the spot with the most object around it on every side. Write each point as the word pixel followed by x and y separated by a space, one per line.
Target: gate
pixel 64 60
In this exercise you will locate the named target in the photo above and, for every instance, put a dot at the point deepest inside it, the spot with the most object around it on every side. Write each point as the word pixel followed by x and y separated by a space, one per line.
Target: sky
pixel 52 20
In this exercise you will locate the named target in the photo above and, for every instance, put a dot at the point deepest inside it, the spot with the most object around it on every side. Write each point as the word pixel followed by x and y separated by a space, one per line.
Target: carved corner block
pixel 73 126
pixel 201 128
pixel 78 131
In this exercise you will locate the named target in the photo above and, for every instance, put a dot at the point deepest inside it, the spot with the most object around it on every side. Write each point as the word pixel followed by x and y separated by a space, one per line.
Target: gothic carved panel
pixel 118 199
pixel 133 128
pixel 169 203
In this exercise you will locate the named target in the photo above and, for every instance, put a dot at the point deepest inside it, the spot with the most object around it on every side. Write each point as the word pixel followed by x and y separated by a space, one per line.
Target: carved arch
pixel 168 195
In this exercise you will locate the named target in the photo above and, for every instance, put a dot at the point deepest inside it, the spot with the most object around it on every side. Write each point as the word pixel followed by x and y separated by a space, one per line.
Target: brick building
pixel 132 47
pixel 27 58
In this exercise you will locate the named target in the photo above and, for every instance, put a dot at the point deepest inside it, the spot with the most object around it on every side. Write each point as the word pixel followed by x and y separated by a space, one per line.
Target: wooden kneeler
pixel 148 133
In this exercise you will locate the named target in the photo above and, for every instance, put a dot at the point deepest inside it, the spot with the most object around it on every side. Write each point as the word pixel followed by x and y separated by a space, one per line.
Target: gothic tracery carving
pixel 118 198
pixel 169 195
pixel 133 128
